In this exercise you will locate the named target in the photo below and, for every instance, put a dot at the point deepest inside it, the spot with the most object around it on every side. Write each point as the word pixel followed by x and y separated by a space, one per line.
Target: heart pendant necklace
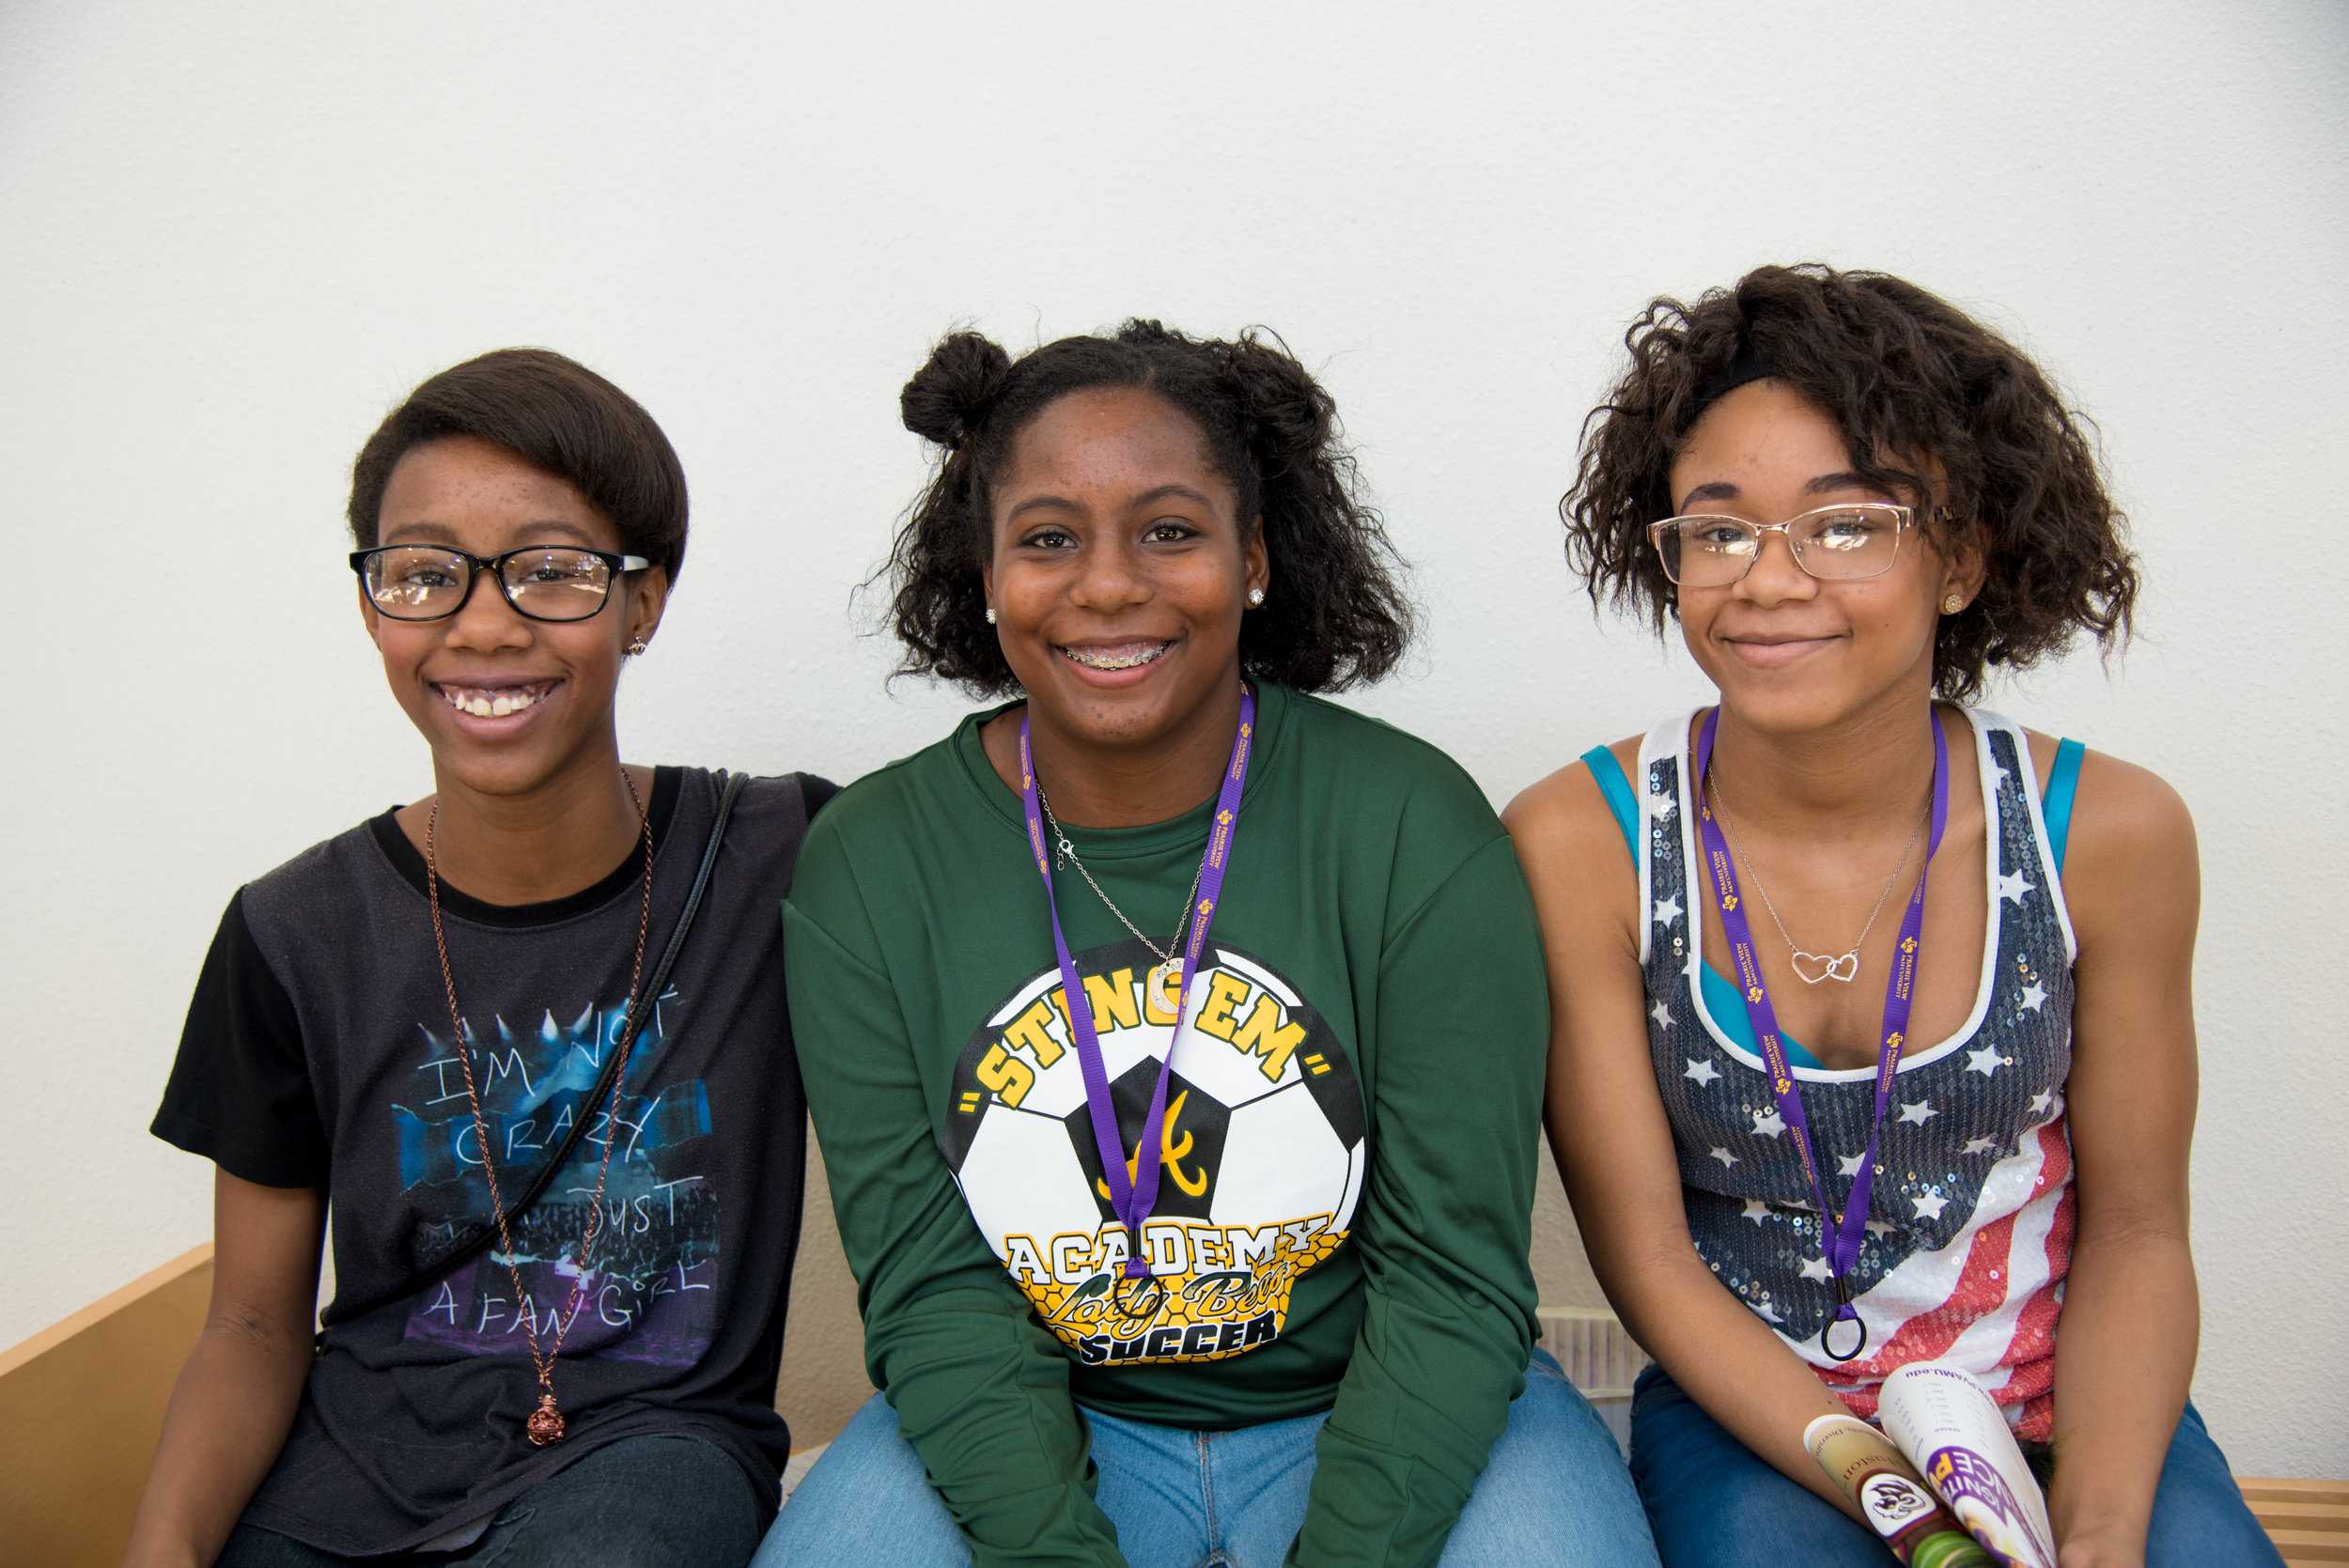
pixel 1815 969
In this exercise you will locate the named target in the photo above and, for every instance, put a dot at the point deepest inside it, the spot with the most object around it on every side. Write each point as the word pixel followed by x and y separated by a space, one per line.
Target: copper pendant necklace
pixel 546 1422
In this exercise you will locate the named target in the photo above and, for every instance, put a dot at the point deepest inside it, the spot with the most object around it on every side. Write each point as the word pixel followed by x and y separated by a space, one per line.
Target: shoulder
pixel 2120 809
pixel 1576 859
pixel 777 801
pixel 1379 755
pixel 2131 861
pixel 873 821
pixel 294 892
pixel 880 801
pixel 1568 810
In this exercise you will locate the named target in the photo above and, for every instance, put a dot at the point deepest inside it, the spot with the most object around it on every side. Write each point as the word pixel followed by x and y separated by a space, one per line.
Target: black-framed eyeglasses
pixel 545 582
pixel 1835 544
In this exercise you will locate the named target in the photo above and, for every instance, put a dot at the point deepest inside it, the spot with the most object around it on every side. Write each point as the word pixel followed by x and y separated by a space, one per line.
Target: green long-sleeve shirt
pixel 1343 1216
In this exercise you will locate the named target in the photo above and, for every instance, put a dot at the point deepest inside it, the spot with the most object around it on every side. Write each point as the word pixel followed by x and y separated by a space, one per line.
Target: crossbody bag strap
pixel 470 1245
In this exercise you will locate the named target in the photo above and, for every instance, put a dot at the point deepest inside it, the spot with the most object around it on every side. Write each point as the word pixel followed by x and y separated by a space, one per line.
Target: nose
pixel 1775 576
pixel 1110 576
pixel 484 622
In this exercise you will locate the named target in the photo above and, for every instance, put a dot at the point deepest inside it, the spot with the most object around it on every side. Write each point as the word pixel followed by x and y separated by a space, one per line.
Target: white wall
pixel 230 237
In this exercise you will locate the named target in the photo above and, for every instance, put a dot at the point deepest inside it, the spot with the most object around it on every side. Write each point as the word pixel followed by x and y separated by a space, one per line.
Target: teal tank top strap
pixel 2056 804
pixel 1619 798
pixel 1721 996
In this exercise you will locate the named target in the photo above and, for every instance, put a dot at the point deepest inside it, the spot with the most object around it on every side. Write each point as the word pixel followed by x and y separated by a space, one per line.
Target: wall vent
pixel 1600 1359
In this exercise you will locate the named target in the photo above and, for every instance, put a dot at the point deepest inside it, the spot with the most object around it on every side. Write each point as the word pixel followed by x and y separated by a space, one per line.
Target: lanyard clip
pixel 1844 1312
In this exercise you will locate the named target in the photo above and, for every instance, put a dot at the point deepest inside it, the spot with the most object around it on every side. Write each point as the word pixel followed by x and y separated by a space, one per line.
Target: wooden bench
pixel 82 1406
pixel 2309 1520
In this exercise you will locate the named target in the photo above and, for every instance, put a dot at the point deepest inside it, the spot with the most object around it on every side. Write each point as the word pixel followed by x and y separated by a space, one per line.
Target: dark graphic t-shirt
pixel 318 1052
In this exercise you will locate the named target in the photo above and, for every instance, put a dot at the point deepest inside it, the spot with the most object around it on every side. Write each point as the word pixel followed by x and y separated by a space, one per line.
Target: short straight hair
pixel 559 417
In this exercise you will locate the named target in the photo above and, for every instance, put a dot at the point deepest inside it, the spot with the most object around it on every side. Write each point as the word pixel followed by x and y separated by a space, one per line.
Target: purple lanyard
pixel 1838 1234
pixel 1132 1200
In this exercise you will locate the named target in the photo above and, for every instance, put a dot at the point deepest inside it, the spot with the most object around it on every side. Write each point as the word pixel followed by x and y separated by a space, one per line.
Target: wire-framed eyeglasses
pixel 1835 544
pixel 545 582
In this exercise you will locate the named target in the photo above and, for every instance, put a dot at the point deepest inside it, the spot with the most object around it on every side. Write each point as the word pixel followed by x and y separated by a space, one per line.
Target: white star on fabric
pixel 1722 1154
pixel 1815 1268
pixel 1929 1206
pixel 1769 1123
pixel 1703 1072
pixel 2011 885
pixel 1756 1210
pixel 1986 1062
pixel 1849 1166
pixel 1917 1111
pixel 1661 806
pixel 2033 995
pixel 1878 1228
pixel 1667 909
pixel 2043 1102
pixel 1764 1311
pixel 1981 1146
pixel 1661 1014
pixel 2004 777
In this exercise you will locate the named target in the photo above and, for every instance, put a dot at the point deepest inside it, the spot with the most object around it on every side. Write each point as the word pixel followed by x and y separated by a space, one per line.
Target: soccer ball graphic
pixel 1263 1152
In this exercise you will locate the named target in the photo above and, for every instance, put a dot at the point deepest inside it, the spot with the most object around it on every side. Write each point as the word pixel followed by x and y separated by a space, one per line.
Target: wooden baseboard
pixel 81 1404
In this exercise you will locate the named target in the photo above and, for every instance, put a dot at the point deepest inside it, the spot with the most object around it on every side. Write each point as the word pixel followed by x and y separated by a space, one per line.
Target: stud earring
pixel 637 647
pixel 1256 598
pixel 990 614
pixel 1952 604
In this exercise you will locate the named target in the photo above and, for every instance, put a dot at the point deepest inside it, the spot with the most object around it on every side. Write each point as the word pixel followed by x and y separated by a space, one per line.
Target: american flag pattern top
pixel 1970 1227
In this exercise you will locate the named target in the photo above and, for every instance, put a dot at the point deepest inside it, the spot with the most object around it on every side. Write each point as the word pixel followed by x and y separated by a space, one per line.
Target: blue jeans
pixel 1712 1501
pixel 639 1502
pixel 1553 1492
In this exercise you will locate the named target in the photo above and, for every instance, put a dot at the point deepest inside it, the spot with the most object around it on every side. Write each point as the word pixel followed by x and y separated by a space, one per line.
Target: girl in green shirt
pixel 1136 1293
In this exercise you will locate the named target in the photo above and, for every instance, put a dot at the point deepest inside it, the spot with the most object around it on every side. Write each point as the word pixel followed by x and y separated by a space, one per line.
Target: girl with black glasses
pixel 560 1142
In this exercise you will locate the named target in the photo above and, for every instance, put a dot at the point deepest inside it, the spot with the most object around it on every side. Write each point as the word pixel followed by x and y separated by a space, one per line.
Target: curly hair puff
pixel 1914 386
pixel 1338 618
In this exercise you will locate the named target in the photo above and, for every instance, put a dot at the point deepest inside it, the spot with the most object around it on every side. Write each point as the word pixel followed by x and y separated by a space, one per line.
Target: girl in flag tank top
pixel 1183 1031
pixel 1876 1044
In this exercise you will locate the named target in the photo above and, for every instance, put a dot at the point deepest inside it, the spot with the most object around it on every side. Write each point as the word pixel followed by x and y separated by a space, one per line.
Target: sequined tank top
pixel 1970 1224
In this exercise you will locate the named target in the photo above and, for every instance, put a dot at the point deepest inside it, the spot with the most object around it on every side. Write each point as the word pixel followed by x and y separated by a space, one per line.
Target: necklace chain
pixel 1061 847
pixel 1720 804
pixel 546 1422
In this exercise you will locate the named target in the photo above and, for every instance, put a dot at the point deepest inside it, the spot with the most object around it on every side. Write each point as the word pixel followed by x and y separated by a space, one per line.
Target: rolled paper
pixel 1953 1430
pixel 1897 1504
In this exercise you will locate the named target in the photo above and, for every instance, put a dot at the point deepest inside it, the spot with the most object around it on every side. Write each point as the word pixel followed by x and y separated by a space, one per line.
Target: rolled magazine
pixel 1903 1511
pixel 1954 1432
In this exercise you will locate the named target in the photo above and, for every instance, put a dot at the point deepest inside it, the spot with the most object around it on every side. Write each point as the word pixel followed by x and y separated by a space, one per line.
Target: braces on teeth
pixel 1114 662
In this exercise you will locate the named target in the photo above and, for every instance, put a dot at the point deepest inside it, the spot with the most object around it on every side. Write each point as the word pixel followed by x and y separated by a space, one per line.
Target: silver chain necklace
pixel 1168 968
pixel 1841 967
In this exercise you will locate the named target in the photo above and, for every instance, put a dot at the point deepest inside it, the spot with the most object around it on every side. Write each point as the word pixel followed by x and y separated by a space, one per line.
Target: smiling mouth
pixel 496 702
pixel 1120 656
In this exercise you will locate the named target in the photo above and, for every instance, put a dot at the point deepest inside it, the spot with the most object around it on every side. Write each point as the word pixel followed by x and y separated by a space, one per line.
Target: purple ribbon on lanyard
pixel 1838 1234
pixel 1133 1199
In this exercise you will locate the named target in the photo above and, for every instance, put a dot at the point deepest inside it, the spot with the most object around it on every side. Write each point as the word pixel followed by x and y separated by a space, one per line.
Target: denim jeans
pixel 1553 1492
pixel 639 1502
pixel 1713 1503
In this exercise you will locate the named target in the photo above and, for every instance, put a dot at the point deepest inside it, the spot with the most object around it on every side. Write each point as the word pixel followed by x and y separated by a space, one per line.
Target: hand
pixel 2106 1547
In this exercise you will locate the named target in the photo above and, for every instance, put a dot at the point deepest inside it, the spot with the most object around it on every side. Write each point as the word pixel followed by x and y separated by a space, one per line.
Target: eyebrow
pixel 1166 491
pixel 1722 489
pixel 1147 498
pixel 1042 504
pixel 442 534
